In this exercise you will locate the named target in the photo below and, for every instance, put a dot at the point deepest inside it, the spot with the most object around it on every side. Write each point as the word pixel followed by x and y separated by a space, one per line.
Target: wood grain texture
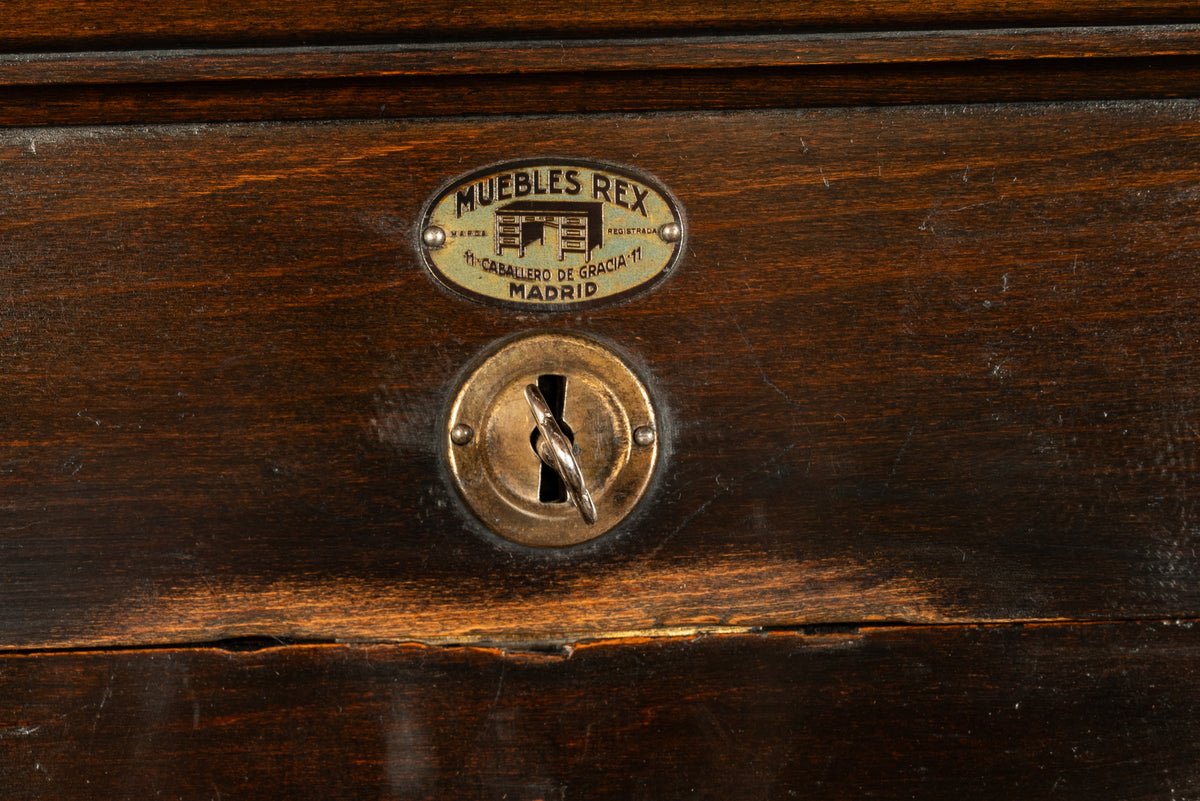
pixel 116 24
pixel 594 77
pixel 1078 712
pixel 928 364
pixel 607 56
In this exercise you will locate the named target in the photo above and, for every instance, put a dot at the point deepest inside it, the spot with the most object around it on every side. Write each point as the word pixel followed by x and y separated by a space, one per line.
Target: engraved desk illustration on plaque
pixel 578 224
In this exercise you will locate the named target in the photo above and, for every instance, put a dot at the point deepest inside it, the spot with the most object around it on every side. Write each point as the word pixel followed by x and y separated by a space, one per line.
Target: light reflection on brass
pixel 556 452
pixel 499 471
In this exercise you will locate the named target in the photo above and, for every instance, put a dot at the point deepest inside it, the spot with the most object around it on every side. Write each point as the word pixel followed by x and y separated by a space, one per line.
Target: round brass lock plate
pixel 493 439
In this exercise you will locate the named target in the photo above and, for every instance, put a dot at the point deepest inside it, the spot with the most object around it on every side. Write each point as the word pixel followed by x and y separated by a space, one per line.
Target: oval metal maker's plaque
pixel 551 234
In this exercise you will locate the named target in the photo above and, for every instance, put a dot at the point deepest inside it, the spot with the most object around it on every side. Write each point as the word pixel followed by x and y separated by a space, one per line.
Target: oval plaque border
pixel 628 171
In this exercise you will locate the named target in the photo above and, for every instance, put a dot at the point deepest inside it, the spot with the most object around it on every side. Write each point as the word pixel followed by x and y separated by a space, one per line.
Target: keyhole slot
pixel 551 488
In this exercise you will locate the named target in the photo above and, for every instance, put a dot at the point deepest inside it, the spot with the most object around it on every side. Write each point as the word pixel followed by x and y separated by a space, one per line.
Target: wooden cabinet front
pixel 924 519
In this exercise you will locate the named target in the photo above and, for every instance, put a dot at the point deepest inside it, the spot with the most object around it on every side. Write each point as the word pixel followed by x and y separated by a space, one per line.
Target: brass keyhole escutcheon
pixel 551 440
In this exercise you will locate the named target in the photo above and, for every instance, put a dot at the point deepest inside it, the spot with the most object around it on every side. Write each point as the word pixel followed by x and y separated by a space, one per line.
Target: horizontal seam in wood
pixel 572 56
pixel 564 646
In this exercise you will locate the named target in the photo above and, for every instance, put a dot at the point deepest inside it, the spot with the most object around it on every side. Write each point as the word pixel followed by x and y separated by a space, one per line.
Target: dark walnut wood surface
pixel 923 365
pixel 926 374
pixel 566 59
pixel 1078 712
pixel 559 76
pixel 65 25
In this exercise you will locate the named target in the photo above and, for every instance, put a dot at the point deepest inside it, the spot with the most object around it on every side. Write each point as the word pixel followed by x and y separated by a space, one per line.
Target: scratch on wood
pixel 19 731
pixel 900 455
pixel 758 365
pixel 723 491
pixel 891 476
pixel 103 700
